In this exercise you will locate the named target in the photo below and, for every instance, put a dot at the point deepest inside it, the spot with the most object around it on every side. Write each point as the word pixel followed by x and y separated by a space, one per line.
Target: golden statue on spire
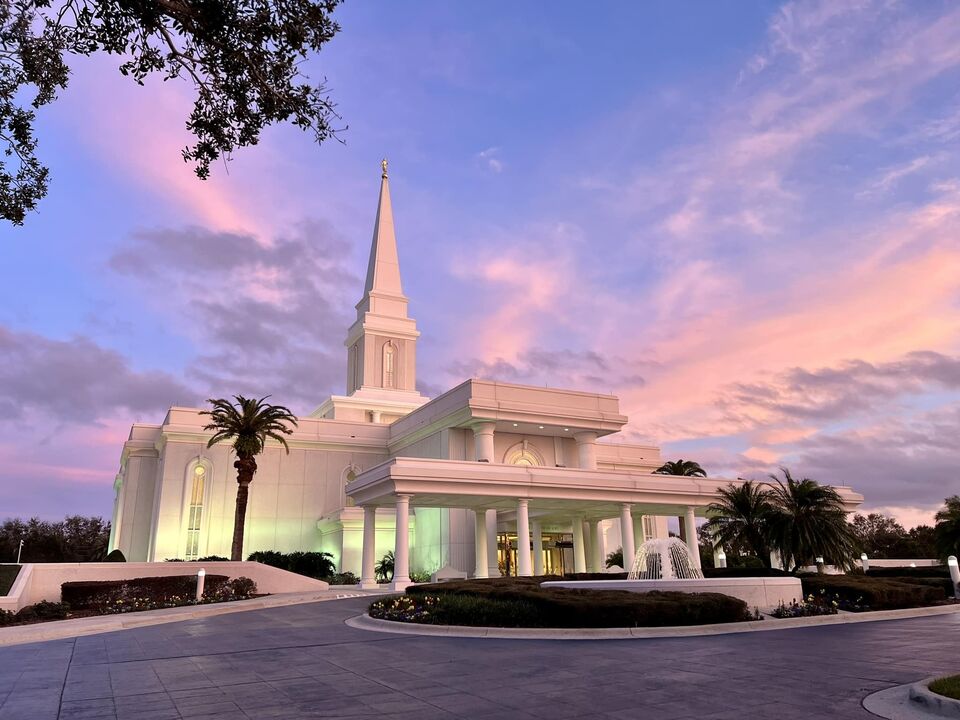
pixel 383 164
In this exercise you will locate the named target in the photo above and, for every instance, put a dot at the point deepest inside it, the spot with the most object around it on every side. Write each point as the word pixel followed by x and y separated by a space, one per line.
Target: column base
pixel 400 585
pixel 369 585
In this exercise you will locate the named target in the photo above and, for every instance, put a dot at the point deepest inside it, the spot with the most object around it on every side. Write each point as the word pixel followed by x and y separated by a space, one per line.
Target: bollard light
pixel 864 561
pixel 954 575
pixel 200 578
pixel 913 564
pixel 721 559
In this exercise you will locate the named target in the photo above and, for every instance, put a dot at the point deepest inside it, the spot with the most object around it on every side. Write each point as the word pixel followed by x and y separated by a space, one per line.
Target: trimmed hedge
pixel 522 602
pixel 936 571
pixel 95 594
pixel 876 593
pixel 744 572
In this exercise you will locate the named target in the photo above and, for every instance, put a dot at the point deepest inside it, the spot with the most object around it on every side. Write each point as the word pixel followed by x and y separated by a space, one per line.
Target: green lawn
pixel 948 686
pixel 8 573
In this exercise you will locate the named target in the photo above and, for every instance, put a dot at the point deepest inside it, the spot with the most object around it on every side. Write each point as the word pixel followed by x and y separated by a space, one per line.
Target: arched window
pixel 523 453
pixel 195 512
pixel 389 365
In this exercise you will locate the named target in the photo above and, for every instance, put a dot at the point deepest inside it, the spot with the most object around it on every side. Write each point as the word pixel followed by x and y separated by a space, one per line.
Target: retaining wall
pixel 42 581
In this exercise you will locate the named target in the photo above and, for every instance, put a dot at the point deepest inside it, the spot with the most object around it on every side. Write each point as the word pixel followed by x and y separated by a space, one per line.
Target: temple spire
pixel 383 269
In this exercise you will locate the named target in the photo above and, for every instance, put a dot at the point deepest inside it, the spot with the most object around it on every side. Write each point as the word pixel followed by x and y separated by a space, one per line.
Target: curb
pixel 78 627
pixel 931 702
pixel 365 622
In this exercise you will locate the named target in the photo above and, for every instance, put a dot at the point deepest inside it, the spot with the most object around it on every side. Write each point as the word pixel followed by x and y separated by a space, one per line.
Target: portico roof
pixel 551 491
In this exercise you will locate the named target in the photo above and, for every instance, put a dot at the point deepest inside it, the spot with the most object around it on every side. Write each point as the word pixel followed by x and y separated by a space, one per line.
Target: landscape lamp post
pixel 954 575
pixel 820 567
pixel 19 550
pixel 865 562
pixel 200 577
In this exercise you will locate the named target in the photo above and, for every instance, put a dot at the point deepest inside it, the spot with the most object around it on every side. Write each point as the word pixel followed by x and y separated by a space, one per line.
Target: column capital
pixel 404 496
pixel 627 506
pixel 483 427
pixel 523 502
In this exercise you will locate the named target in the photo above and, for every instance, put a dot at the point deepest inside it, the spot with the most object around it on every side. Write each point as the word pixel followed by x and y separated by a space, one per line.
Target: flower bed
pixel 521 602
pixel 816 604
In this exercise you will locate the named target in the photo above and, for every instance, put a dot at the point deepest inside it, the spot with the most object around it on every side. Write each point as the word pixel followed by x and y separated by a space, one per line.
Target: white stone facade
pixel 470 474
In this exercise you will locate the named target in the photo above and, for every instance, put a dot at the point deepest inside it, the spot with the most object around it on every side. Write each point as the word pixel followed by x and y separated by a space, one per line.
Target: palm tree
pixel 947 531
pixel 687 468
pixel 248 424
pixel 809 521
pixel 383 570
pixel 741 518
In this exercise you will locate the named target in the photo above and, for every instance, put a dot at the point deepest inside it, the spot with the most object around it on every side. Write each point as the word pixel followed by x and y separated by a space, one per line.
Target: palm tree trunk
pixel 246 467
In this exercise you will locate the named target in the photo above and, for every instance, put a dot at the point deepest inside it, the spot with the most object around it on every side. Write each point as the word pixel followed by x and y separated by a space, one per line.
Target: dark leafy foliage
pixel 873 593
pixel 115 556
pixel 242 57
pixel 882 537
pixel 75 539
pixel 687 468
pixel 933 571
pixel 383 570
pixel 741 520
pixel 312 564
pixel 39 612
pixel 522 602
pixel 615 558
pixel 947 530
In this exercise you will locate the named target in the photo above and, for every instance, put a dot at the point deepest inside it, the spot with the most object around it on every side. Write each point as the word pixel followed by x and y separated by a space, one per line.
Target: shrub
pixel 522 602
pixel 311 564
pixel 212 558
pixel 872 593
pixel 587 576
pixel 345 578
pixel 947 686
pixel 7 617
pixel 115 556
pixel 421 577
pixel 44 610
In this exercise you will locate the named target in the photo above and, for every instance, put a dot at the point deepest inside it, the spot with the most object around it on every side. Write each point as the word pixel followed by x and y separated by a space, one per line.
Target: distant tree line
pixel 74 539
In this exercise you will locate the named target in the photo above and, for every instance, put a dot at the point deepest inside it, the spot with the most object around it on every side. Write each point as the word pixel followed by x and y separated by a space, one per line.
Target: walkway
pixel 302 662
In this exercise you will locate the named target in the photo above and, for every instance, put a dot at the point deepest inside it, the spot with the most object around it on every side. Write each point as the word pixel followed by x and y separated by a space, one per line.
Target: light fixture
pixel 515 424
pixel 566 429
pixel 540 426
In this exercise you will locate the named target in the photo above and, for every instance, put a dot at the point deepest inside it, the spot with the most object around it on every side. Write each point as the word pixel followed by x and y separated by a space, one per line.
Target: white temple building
pixel 462 480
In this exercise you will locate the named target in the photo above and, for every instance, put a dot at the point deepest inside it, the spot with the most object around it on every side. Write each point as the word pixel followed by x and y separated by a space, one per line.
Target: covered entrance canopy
pixel 534 493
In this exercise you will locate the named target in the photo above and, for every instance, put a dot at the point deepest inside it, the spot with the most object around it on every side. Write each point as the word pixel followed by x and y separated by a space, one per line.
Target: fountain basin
pixel 765 593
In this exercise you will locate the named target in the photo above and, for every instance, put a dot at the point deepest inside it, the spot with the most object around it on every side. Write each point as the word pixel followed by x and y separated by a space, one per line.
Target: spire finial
pixel 383 164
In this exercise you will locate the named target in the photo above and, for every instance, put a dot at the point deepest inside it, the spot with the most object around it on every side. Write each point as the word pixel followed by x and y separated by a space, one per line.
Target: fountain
pixel 664 559
pixel 666 564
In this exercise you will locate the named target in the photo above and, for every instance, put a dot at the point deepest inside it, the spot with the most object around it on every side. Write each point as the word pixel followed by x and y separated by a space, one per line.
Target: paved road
pixel 303 662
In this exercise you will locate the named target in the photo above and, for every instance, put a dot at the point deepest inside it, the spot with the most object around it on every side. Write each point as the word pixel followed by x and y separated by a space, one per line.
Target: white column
pixel 626 537
pixel 596 546
pixel 586 450
pixel 368 579
pixel 523 538
pixel 579 554
pixel 537 530
pixel 375 416
pixel 493 567
pixel 480 537
pixel 690 528
pixel 401 550
pixel 483 440
pixel 588 547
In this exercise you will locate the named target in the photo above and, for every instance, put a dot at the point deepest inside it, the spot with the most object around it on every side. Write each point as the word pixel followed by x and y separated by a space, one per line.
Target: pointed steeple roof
pixel 383 269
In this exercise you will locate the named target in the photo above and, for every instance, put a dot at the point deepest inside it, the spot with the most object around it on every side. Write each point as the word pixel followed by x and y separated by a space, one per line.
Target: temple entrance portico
pixel 531 501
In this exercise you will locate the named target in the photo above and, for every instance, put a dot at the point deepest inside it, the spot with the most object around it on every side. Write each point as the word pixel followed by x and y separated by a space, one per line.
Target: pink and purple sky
pixel 743 218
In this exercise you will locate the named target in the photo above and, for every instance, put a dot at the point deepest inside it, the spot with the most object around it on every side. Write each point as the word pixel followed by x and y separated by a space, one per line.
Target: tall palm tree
pixel 248 423
pixel 741 518
pixel 809 521
pixel 688 468
pixel 947 531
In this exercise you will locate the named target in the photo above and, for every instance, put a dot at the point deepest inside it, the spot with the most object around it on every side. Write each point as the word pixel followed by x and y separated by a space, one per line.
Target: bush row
pixel 521 602
pixel 875 593
pixel 42 610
